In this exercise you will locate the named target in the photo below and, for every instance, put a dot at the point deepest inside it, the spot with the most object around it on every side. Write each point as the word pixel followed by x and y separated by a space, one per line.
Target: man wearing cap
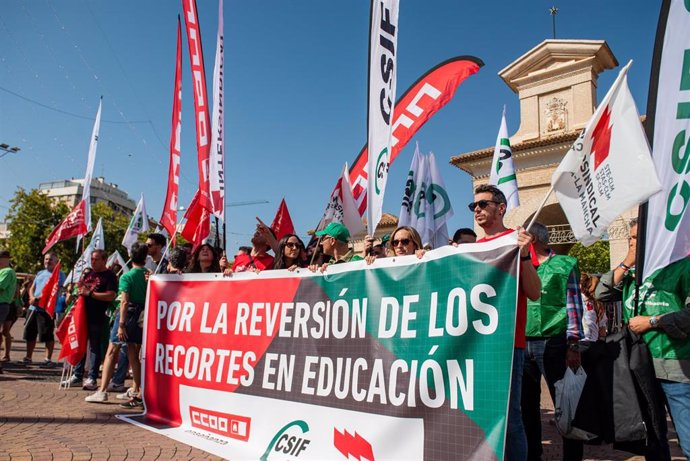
pixel 335 240
pixel 8 285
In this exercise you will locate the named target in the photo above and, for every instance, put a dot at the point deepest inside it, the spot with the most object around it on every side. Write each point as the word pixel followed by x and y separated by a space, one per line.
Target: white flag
pixel 342 207
pixel 608 169
pixel 138 224
pixel 216 155
pixel 116 258
pixel 86 193
pixel 421 217
pixel 441 209
pixel 411 189
pixel 383 42
pixel 502 168
pixel 84 261
pixel 668 219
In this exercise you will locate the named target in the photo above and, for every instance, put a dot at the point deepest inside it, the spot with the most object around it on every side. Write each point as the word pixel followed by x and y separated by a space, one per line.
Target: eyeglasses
pixel 293 245
pixel 481 204
pixel 403 242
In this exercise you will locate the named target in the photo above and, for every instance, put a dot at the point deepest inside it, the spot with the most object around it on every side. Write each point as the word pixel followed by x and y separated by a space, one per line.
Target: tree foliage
pixel 33 215
pixel 593 259
pixel 31 218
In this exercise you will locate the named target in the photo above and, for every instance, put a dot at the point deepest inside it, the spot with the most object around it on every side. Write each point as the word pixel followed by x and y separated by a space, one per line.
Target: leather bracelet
pixel 624 267
pixel 122 324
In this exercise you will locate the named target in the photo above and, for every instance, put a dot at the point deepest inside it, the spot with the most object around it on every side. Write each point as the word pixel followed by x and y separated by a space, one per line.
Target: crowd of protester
pixel 560 312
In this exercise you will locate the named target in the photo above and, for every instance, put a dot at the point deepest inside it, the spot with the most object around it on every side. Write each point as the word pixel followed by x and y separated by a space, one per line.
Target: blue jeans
pixel 678 399
pixel 122 362
pixel 516 440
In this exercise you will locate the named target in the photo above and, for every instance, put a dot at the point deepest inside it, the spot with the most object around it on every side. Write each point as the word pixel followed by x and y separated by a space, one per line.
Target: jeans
pixel 678 399
pixel 544 357
pixel 95 333
pixel 516 442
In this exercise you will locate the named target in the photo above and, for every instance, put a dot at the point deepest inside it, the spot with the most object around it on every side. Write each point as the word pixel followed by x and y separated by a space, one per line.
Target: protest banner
pixel 404 359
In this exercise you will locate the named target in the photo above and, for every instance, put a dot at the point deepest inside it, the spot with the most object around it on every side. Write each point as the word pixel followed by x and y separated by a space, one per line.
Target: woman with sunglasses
pixel 289 255
pixel 204 260
pixel 405 240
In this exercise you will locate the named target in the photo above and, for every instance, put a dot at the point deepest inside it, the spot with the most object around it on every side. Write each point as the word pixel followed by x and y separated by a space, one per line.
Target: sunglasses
pixel 481 204
pixel 293 245
pixel 403 242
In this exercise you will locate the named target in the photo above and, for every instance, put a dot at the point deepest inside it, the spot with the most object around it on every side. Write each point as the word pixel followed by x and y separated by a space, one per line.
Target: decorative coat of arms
pixel 556 115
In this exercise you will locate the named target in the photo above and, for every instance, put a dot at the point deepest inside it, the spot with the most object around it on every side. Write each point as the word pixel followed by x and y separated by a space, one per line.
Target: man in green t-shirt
pixel 335 241
pixel 8 286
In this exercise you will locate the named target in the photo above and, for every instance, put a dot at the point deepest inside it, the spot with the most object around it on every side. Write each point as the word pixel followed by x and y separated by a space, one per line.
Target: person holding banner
pixel 662 317
pixel 257 259
pixel 289 253
pixel 335 243
pixel 39 324
pixel 554 329
pixel 204 260
pixel 489 207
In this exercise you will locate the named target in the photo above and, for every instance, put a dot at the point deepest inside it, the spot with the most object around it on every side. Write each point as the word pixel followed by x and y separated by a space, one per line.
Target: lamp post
pixel 6 149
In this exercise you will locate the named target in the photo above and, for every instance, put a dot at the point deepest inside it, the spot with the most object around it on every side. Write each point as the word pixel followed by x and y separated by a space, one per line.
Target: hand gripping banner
pixel 403 359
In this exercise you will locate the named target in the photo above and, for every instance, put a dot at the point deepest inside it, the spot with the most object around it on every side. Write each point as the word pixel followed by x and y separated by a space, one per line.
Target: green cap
pixel 337 231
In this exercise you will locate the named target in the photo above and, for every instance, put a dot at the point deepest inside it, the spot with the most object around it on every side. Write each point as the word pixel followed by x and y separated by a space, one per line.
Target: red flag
pixel 201 109
pixel 198 225
pixel 50 291
pixel 74 224
pixel 73 333
pixel 419 103
pixel 169 218
pixel 282 223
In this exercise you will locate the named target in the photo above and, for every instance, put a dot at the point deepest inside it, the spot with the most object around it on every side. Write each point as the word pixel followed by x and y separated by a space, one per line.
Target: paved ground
pixel 38 421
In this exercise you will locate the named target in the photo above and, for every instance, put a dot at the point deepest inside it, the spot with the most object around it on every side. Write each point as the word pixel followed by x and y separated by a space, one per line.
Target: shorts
pixel 13 314
pixel 39 324
pixel 134 332
pixel 5 311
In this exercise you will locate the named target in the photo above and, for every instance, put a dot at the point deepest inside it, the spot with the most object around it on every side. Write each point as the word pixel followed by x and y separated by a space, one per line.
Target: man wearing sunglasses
pixel 489 207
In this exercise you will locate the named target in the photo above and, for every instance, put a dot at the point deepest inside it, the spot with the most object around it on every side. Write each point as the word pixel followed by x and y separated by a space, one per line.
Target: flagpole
pixel 649 131
pixel 167 247
pixel 318 242
pixel 541 206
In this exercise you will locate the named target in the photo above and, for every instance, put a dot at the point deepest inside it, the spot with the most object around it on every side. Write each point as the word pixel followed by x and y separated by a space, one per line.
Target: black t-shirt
pixel 98 282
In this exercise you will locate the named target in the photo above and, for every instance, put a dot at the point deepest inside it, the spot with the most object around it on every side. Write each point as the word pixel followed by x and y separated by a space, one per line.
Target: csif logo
pixel 225 424
pixel 381 170
pixel 288 441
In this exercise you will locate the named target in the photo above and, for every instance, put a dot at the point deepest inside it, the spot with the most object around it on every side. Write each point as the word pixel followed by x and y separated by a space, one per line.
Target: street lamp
pixel 8 150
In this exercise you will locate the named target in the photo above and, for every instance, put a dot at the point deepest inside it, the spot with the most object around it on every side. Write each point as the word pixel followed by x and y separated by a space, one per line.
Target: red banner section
pixel 419 103
pixel 201 108
pixel 169 218
pixel 189 320
pixel 49 294
pixel 73 333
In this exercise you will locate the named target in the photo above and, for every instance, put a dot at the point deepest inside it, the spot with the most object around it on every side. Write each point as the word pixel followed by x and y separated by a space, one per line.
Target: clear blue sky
pixel 296 78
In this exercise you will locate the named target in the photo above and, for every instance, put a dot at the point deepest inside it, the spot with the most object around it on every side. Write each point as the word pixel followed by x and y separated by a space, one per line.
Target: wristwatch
pixel 653 321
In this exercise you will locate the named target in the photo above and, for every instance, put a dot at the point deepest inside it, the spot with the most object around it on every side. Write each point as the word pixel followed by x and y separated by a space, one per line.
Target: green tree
pixel 593 259
pixel 31 218
pixel 114 226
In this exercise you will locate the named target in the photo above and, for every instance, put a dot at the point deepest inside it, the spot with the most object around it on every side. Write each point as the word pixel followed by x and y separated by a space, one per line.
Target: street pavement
pixel 39 421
